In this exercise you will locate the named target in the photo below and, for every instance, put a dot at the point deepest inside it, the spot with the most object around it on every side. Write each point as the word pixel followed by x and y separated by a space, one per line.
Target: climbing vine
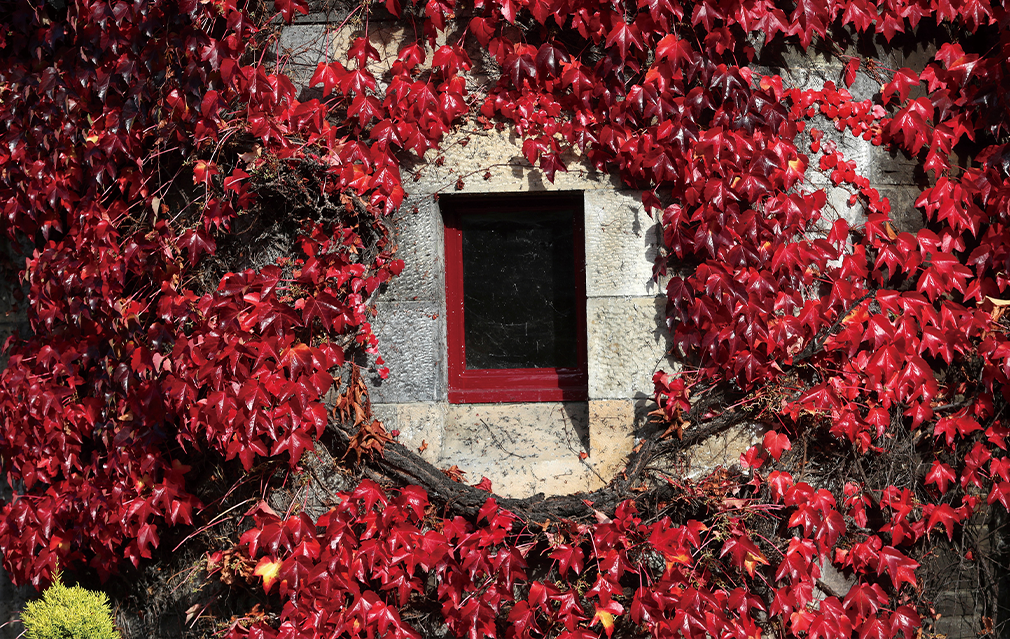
pixel 145 141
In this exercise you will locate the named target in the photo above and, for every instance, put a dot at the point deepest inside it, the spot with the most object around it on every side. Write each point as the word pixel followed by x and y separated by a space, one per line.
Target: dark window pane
pixel 519 306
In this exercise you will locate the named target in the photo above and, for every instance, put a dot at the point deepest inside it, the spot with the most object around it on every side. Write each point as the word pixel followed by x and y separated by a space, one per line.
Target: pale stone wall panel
pixel 519 447
pixel 627 344
pixel 421 428
pixel 621 244
pixel 305 46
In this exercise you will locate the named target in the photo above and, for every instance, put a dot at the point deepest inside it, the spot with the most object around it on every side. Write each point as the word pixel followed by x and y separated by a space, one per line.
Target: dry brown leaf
pixel 454 473
pixel 369 440
pixel 891 235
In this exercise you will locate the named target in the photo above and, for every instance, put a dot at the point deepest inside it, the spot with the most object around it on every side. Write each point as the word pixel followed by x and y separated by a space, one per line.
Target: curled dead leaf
pixel 369 440
pixel 454 473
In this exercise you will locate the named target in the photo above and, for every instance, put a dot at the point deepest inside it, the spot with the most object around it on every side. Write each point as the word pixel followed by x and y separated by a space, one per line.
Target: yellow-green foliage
pixel 69 613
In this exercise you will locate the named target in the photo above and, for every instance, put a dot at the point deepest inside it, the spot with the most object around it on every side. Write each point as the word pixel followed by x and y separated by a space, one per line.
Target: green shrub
pixel 69 613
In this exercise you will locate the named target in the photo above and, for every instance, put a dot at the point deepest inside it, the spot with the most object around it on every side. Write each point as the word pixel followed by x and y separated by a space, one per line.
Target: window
pixel 515 297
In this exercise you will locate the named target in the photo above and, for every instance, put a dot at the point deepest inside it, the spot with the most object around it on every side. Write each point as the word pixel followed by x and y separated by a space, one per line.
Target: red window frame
pixel 496 385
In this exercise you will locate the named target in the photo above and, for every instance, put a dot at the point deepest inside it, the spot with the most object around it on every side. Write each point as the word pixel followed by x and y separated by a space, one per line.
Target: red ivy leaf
pixel 776 443
pixel 850 71
pixel 898 567
pixel 941 475
pixel 288 8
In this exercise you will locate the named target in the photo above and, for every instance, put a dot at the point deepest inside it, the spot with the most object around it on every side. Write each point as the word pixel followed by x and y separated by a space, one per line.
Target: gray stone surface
pixel 905 216
pixel 412 342
pixel 523 448
pixel 305 46
pixel 621 244
pixel 468 153
pixel 838 207
pixel 612 425
pixel 955 603
pixel 627 343
pixel 386 413
pixel 421 246
pixel 879 166
pixel 517 446
pixel 814 77
pixel 722 450
pixel 888 167
pixel 956 627
pixel 833 582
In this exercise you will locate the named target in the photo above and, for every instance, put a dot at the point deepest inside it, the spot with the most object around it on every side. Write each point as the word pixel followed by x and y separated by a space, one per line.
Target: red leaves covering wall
pixel 347 572
pixel 130 369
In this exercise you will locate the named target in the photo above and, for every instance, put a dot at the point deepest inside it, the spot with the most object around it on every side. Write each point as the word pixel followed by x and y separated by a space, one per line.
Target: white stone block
pixel 627 343
pixel 621 244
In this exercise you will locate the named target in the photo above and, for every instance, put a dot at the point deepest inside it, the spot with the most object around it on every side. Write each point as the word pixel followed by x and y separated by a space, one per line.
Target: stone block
pixel 813 72
pixel 879 164
pixel 561 477
pixel 611 435
pixel 421 428
pixel 621 244
pixel 627 343
pixel 421 246
pixel 814 76
pixel 525 449
pixel 387 414
pixel 470 154
pixel 905 216
pixel 956 627
pixel 547 430
pixel 305 46
pixel 722 450
pixel 412 342
pixel 833 582
pixel 838 207
pixel 955 603
pixel 893 167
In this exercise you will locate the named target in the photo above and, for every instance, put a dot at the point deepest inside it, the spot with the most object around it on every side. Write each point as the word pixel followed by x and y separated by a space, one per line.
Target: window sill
pixel 519 385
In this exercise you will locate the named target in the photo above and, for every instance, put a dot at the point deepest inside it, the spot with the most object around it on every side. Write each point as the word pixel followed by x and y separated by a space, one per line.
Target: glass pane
pixel 519 306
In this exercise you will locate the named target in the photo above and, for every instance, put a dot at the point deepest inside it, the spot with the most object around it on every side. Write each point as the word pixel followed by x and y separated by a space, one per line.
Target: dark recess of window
pixel 515 297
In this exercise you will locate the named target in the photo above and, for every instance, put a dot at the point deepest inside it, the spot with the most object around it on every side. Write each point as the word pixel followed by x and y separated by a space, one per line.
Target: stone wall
pixel 535 447
pixel 523 448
